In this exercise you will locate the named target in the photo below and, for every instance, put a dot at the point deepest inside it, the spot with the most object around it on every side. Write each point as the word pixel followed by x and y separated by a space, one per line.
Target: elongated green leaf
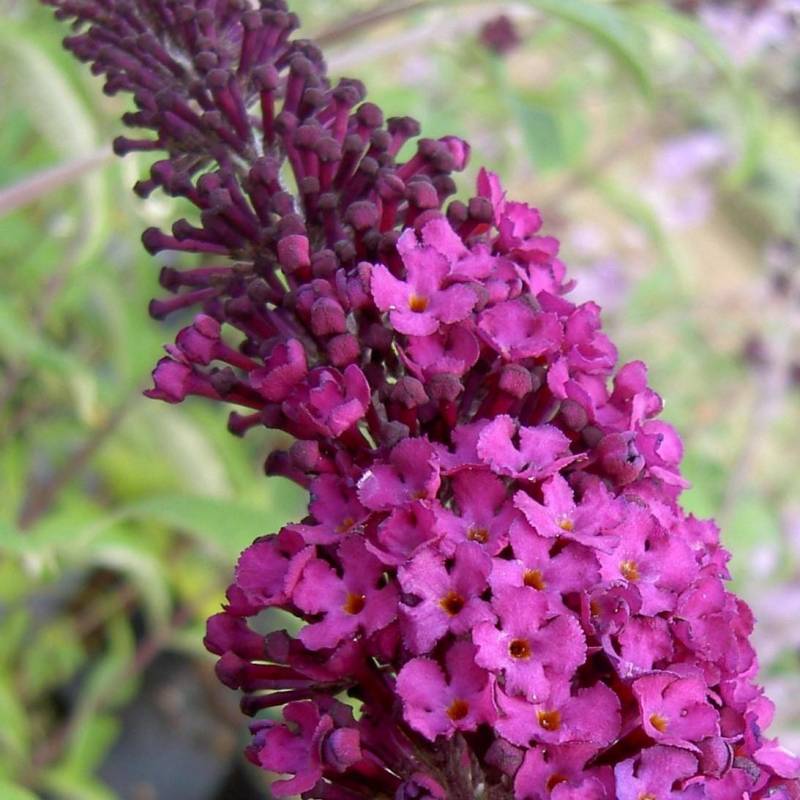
pixel 14 731
pixel 749 112
pixel 67 786
pixel 540 127
pixel 553 129
pixel 227 524
pixel 12 791
pixel 639 212
pixel 14 626
pixel 61 118
pixel 11 540
pixel 145 571
pixel 616 31
pixel 53 655
pixel 20 341
pixel 90 743
pixel 109 683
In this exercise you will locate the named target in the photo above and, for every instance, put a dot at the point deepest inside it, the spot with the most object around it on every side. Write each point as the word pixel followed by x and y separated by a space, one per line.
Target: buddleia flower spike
pixel 497 593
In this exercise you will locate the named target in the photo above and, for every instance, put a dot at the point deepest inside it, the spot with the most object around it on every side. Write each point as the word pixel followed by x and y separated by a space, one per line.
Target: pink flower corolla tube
pixel 496 593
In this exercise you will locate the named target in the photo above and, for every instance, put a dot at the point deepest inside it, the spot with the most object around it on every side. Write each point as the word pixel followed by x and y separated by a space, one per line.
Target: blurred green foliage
pixel 120 519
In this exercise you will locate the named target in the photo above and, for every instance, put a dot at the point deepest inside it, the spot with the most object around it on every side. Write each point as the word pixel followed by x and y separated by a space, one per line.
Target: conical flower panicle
pixel 495 568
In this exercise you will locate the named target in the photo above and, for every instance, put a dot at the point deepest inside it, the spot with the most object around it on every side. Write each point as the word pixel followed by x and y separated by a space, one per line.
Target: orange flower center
pixel 519 648
pixel 534 579
pixel 659 722
pixel 549 720
pixel 480 535
pixel 418 303
pixel 629 570
pixel 566 524
pixel 355 603
pixel 452 603
pixel 554 780
pixel 457 710
pixel 345 525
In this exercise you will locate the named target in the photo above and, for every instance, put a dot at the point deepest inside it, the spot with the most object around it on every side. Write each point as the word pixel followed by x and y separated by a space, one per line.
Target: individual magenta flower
pixel 439 704
pixel 560 773
pixel 299 749
pixel 412 473
pixel 531 649
pixel 495 571
pixel 658 772
pixel 591 522
pixel 676 710
pixel 424 302
pixel 525 452
pixel 590 716
pixel 444 600
pixel 482 512
pixel 573 570
pixel 356 601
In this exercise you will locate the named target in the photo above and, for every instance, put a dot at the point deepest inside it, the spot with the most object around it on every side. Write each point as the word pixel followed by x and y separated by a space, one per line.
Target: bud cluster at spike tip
pixel 497 594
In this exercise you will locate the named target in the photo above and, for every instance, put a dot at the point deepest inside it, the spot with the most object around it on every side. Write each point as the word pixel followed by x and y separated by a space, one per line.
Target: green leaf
pixel 553 128
pixel 12 791
pixel 540 127
pixel 108 683
pixel 61 117
pixel 14 732
pixel 67 786
pixel 14 627
pixel 52 657
pixel 20 341
pixel 227 524
pixel 615 31
pixel 90 742
pixel 12 540
pixel 749 111
pixel 142 569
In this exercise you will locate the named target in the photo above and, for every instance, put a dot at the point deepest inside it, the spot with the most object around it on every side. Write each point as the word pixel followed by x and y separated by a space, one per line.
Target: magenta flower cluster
pixel 495 593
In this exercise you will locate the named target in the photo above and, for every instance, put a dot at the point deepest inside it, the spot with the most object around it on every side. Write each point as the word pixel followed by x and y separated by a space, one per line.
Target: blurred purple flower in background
pixel 679 188
pixel 746 29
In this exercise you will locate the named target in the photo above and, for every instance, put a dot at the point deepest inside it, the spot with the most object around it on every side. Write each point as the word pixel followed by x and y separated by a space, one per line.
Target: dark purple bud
pixel 459 151
pixel 619 458
pixel 293 252
pixel 324 264
pixel 422 194
pixel 516 380
pixel 305 455
pixel 198 342
pixel 343 350
pixel 444 387
pixel 574 415
pixel 409 392
pixel 173 382
pixel 285 367
pixel 362 215
pixel 369 115
pixel 225 632
pixel 341 749
pixel 327 317
pixel 500 35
